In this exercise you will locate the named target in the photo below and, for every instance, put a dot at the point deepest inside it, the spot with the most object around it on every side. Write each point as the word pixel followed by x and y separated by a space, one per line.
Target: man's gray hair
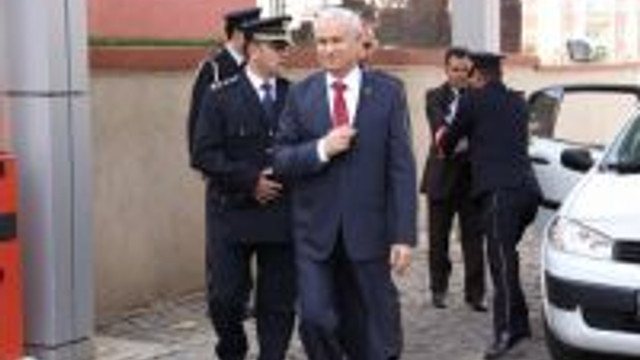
pixel 341 15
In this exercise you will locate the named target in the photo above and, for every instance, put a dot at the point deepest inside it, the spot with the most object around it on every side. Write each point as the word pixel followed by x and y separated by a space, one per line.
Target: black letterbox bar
pixel 8 227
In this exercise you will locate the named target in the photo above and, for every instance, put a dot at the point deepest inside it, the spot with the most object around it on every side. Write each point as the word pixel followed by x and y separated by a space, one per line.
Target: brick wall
pixel 164 19
pixel 511 26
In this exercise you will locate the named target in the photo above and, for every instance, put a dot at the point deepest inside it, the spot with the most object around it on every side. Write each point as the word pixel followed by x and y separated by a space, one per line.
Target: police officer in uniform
pixel 220 65
pixel 447 184
pixel 247 207
pixel 495 120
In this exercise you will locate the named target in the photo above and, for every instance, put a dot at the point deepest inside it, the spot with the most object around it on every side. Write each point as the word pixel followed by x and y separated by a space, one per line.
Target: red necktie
pixel 340 113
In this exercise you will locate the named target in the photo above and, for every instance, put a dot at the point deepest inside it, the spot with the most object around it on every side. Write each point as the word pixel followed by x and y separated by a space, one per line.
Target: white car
pixel 590 227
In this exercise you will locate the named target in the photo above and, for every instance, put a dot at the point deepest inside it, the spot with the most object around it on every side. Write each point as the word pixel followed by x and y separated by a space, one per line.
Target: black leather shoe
pixel 477 306
pixel 502 345
pixel 438 300
pixel 515 339
pixel 496 350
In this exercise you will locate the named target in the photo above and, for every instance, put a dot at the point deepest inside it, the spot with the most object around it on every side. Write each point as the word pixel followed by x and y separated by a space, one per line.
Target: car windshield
pixel 624 156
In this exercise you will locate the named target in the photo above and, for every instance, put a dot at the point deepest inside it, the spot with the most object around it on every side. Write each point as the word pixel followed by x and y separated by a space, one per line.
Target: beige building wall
pixel 148 206
pixel 149 227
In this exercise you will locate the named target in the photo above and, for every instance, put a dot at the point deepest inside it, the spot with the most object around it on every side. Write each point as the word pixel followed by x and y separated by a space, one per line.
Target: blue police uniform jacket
pixel 233 144
pixel 495 120
pixel 217 67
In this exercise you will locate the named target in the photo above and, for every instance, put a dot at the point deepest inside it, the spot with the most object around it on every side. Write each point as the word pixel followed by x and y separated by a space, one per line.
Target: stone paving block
pixel 180 330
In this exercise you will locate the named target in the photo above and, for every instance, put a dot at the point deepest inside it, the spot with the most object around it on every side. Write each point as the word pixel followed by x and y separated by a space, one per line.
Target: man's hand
pixel 338 140
pixel 266 190
pixel 400 258
pixel 440 134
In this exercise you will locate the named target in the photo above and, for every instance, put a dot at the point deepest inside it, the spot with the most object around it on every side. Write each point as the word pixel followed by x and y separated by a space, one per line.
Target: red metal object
pixel 11 316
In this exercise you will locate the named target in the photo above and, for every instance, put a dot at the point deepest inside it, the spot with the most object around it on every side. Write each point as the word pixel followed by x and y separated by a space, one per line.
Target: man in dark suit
pixel 220 65
pixel 370 42
pixel 248 208
pixel 447 183
pixel 495 120
pixel 344 143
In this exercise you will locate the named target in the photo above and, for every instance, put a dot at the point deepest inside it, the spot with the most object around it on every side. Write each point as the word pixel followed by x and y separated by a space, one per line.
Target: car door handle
pixel 540 160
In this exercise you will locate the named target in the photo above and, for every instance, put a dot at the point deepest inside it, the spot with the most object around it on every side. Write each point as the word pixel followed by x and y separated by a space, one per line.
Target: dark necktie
pixel 340 112
pixel 268 102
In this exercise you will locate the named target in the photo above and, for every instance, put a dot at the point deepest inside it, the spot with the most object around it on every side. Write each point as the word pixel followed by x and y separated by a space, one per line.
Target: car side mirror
pixel 577 159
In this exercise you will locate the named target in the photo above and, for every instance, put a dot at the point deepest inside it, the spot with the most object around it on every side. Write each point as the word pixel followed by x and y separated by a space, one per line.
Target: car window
pixel 627 149
pixel 543 108
pixel 583 118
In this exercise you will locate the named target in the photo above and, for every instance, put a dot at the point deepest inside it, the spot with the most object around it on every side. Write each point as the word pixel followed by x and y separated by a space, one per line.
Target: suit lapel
pixel 448 99
pixel 364 97
pixel 448 94
pixel 281 94
pixel 321 114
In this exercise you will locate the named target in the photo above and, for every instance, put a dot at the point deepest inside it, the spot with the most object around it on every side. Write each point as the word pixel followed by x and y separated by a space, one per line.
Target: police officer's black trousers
pixel 507 214
pixel 441 213
pixel 229 283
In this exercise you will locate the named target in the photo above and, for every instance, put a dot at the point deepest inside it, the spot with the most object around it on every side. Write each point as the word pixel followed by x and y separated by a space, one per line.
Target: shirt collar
pixel 352 79
pixel 257 81
pixel 238 57
pixel 455 90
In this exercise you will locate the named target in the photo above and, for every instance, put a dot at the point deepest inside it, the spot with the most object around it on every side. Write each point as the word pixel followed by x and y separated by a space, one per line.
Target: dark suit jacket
pixel 217 67
pixel 443 177
pixel 495 120
pixel 233 143
pixel 369 193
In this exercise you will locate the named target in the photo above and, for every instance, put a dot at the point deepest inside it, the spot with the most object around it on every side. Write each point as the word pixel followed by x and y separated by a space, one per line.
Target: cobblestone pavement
pixel 180 330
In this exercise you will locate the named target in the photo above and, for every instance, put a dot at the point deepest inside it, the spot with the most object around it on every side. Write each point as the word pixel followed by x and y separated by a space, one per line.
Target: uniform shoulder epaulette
pixel 224 83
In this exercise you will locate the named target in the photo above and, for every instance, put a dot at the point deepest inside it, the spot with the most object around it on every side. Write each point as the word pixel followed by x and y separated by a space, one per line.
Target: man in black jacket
pixel 494 118
pixel 447 184
pixel 247 208
pixel 220 65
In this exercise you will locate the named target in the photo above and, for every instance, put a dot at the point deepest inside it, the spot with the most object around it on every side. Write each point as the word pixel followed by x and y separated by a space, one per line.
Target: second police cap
pixel 272 29
pixel 236 18
pixel 486 60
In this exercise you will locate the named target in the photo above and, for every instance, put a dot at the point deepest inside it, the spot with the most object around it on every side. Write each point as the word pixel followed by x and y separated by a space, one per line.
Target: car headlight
pixel 573 237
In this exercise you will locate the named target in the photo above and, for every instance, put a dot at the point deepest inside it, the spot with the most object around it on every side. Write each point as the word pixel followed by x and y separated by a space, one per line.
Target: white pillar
pixel 48 105
pixel 475 24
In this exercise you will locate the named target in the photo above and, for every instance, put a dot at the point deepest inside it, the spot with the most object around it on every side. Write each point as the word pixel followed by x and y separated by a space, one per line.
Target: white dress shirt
pixel 453 106
pixel 257 82
pixel 238 57
pixel 351 94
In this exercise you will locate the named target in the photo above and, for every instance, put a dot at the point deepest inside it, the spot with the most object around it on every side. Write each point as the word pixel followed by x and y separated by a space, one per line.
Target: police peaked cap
pixel 272 29
pixel 235 19
pixel 486 60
